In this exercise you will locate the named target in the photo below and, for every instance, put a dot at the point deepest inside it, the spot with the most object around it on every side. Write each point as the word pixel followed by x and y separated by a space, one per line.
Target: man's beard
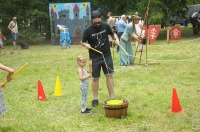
pixel 97 28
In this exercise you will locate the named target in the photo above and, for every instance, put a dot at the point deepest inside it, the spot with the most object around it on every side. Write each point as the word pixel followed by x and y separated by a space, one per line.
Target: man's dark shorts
pixel 98 63
pixel 14 37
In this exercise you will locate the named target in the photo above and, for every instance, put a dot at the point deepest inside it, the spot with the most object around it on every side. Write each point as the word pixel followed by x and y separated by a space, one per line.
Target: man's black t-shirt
pixel 97 37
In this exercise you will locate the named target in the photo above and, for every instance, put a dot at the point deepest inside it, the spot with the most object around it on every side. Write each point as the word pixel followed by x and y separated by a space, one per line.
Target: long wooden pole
pixel 113 43
pixel 146 21
pixel 16 72
pixel 123 50
pixel 96 50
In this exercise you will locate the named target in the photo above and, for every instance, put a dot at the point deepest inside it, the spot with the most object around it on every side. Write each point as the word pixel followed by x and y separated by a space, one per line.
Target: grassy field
pixel 147 88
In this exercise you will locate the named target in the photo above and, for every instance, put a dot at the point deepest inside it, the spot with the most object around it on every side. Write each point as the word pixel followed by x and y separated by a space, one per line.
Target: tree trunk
pixel 48 30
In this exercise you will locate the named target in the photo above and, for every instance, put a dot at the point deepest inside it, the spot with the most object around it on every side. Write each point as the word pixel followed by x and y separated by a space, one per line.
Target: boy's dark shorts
pixel 98 63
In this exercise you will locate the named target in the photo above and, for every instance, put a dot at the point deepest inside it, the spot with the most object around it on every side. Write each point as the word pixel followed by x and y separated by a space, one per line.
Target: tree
pixel 34 14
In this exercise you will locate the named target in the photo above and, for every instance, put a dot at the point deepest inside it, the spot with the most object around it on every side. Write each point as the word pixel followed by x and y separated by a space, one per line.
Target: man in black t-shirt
pixel 96 36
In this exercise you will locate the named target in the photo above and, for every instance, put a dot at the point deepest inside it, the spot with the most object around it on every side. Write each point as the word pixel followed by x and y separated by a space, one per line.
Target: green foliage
pixel 191 2
pixel 35 13
pixel 31 35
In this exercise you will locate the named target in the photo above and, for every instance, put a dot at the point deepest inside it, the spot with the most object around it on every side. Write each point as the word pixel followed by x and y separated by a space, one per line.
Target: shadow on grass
pixel 6 129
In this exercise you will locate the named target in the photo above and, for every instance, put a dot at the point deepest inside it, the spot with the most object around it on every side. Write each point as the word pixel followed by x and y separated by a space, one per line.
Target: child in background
pixel 9 78
pixel 2 38
pixel 68 41
pixel 84 78
pixel 62 37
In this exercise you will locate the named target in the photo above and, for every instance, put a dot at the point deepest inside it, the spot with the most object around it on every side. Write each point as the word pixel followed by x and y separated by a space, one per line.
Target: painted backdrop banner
pixel 75 16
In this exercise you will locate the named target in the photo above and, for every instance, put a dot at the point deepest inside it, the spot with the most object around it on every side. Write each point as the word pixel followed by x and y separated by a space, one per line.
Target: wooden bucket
pixel 116 111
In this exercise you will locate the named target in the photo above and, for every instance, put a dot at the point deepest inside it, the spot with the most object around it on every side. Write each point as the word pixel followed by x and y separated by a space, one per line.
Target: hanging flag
pixel 54 6
pixel 153 32
pixel 175 33
pixel 84 5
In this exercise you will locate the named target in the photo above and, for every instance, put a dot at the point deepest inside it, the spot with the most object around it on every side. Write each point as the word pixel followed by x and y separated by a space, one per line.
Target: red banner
pixel 175 33
pixel 144 29
pixel 153 32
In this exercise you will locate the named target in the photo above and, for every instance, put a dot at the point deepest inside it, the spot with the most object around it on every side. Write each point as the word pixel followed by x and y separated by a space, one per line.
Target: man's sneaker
pixel 95 103
pixel 86 111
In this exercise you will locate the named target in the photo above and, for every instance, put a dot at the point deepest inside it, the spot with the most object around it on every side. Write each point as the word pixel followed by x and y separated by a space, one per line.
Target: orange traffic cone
pixel 57 91
pixel 176 107
pixel 41 94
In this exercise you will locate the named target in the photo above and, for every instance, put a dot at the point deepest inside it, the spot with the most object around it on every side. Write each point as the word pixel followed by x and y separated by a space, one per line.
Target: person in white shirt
pixel 111 22
pixel 139 33
pixel 13 27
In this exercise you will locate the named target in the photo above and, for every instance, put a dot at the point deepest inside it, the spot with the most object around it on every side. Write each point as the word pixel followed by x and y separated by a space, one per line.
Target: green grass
pixel 147 88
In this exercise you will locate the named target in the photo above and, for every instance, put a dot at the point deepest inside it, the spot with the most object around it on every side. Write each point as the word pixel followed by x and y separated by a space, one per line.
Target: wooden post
pixel 168 36
pixel 148 43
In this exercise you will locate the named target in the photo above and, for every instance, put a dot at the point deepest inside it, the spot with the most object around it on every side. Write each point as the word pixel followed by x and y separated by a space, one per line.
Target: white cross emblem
pixel 153 33
pixel 176 32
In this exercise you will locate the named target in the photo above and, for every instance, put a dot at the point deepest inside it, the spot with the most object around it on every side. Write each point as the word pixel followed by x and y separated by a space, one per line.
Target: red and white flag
pixel 153 32
pixel 175 33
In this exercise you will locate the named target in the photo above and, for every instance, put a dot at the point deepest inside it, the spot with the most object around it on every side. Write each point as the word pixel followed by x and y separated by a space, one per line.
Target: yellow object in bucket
pixel 116 110
pixel 114 102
